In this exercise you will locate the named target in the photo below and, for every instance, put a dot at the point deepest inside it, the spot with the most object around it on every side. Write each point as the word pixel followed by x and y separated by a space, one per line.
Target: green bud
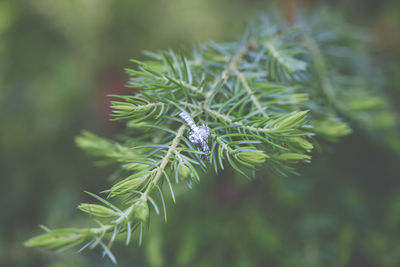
pixel 183 171
pixel 132 182
pixel 251 157
pixel 291 120
pixel 135 166
pixel 142 210
pixel 97 210
pixel 58 238
pixel 302 143
pixel 331 130
pixel 293 156
pixel 364 103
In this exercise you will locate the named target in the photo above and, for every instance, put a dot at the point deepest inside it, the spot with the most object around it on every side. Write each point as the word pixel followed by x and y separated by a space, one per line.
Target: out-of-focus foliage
pixel 343 210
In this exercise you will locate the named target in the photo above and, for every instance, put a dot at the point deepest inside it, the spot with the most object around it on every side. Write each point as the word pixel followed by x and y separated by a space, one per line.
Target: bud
pixel 132 182
pixel 142 210
pixel 364 103
pixel 302 143
pixel 291 120
pixel 97 210
pixel 293 156
pixel 331 130
pixel 251 157
pixel 134 166
pixel 183 171
pixel 58 238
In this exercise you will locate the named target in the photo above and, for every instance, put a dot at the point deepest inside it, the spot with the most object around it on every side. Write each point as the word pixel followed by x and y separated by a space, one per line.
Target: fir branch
pixel 258 96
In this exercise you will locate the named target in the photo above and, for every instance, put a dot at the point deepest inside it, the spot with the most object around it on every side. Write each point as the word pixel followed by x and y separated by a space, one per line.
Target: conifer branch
pixel 228 87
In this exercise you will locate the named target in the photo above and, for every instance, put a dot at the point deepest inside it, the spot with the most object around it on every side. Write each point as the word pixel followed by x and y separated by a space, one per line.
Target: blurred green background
pixel 58 62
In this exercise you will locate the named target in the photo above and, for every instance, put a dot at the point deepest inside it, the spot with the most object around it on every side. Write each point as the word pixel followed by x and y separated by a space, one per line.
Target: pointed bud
pixel 132 182
pixel 331 130
pixel 183 171
pixel 302 143
pixel 58 238
pixel 251 157
pixel 293 156
pixel 97 210
pixel 142 210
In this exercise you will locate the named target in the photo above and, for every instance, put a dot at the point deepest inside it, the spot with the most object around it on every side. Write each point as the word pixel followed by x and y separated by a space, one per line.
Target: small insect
pixel 197 135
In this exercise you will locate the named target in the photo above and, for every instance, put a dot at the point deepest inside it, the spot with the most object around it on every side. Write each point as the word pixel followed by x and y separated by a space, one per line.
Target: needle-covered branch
pixel 261 99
